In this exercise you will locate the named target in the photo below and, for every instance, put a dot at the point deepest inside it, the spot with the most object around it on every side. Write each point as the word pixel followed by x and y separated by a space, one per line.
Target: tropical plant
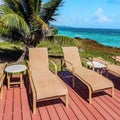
pixel 48 10
pixel 27 20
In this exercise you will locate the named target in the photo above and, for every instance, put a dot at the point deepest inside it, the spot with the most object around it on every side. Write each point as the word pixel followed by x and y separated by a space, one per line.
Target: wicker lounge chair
pixel 2 76
pixel 94 81
pixel 44 84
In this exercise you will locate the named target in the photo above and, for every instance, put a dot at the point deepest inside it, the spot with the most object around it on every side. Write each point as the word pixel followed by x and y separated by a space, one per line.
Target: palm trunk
pixel 22 57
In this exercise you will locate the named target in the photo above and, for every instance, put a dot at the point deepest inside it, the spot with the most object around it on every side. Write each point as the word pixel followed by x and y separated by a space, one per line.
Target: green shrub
pixel 61 40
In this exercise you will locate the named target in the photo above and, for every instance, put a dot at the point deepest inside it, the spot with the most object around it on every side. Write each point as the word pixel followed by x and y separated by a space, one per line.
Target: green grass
pixel 53 47
pixel 10 52
pixel 87 48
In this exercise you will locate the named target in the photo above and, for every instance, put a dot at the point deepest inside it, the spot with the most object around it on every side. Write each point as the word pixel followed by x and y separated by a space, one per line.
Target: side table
pixel 12 69
pixel 97 65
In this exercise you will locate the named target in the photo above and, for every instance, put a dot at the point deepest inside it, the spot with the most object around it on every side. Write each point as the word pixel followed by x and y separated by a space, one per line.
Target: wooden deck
pixel 15 104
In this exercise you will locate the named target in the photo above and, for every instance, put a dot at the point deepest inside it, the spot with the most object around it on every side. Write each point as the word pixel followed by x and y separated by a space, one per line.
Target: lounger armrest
pixel 55 67
pixel 66 61
pixel 28 65
pixel 2 67
pixel 1 80
pixel 31 81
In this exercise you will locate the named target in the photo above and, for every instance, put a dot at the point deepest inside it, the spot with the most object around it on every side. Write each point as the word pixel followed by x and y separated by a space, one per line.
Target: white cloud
pixel 101 17
pixel 98 12
pixel 1 2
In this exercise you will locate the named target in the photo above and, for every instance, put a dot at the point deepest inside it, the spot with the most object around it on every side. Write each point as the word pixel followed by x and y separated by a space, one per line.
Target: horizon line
pixel 86 27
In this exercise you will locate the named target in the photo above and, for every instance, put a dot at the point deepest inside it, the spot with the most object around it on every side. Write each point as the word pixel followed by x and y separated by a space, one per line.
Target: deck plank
pixel 90 107
pixel 76 110
pixel 2 102
pixel 108 109
pixel 52 112
pixel 36 116
pixel 8 113
pixel 81 105
pixel 70 113
pixel 113 101
pixel 100 109
pixel 25 105
pixel 17 105
pixel 61 113
pixel 43 112
pixel 110 104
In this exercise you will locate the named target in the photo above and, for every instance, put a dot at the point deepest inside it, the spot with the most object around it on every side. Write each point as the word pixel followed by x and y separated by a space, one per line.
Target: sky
pixel 89 14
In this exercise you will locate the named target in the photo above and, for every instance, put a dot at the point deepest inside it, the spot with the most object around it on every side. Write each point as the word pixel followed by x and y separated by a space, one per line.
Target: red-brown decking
pixel 15 105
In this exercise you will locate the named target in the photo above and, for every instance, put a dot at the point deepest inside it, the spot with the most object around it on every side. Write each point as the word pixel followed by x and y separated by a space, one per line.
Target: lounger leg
pixel 113 92
pixel 21 80
pixel 8 78
pixel 34 110
pixel 101 71
pixel 66 97
pixel 73 81
pixel 62 65
pixel 1 93
pixel 90 96
pixel 106 73
pixel 29 90
pixel 34 106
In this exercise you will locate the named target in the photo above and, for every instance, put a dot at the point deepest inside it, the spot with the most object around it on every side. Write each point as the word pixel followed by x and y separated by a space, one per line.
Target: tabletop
pixel 96 64
pixel 15 68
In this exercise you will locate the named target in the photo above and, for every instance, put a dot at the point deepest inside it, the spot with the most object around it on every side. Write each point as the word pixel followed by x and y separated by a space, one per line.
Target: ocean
pixel 107 37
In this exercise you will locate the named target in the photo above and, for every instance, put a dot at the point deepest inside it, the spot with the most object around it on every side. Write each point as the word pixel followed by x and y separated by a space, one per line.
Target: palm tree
pixel 27 20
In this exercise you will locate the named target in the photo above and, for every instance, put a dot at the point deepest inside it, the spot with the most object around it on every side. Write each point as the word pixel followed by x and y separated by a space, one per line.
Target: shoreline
pixel 94 49
pixel 107 37
pixel 95 42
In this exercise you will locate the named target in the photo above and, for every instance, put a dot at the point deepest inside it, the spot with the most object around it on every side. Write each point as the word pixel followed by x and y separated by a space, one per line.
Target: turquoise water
pixel 108 37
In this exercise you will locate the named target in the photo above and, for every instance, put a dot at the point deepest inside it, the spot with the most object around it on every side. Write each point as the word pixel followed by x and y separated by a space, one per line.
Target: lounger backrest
pixel 38 58
pixel 71 54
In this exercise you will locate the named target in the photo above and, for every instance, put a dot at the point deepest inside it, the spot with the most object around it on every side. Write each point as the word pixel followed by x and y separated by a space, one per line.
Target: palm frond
pixel 36 5
pixel 40 21
pixel 15 21
pixel 1 12
pixel 48 10
pixel 5 10
pixel 28 10
pixel 11 4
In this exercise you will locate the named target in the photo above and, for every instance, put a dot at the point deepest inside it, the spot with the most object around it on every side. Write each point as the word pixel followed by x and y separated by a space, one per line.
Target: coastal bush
pixel 61 40
pixel 94 49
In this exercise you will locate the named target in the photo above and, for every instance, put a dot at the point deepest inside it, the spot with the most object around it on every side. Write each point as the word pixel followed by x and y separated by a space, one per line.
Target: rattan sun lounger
pixel 94 81
pixel 44 84
pixel 2 76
